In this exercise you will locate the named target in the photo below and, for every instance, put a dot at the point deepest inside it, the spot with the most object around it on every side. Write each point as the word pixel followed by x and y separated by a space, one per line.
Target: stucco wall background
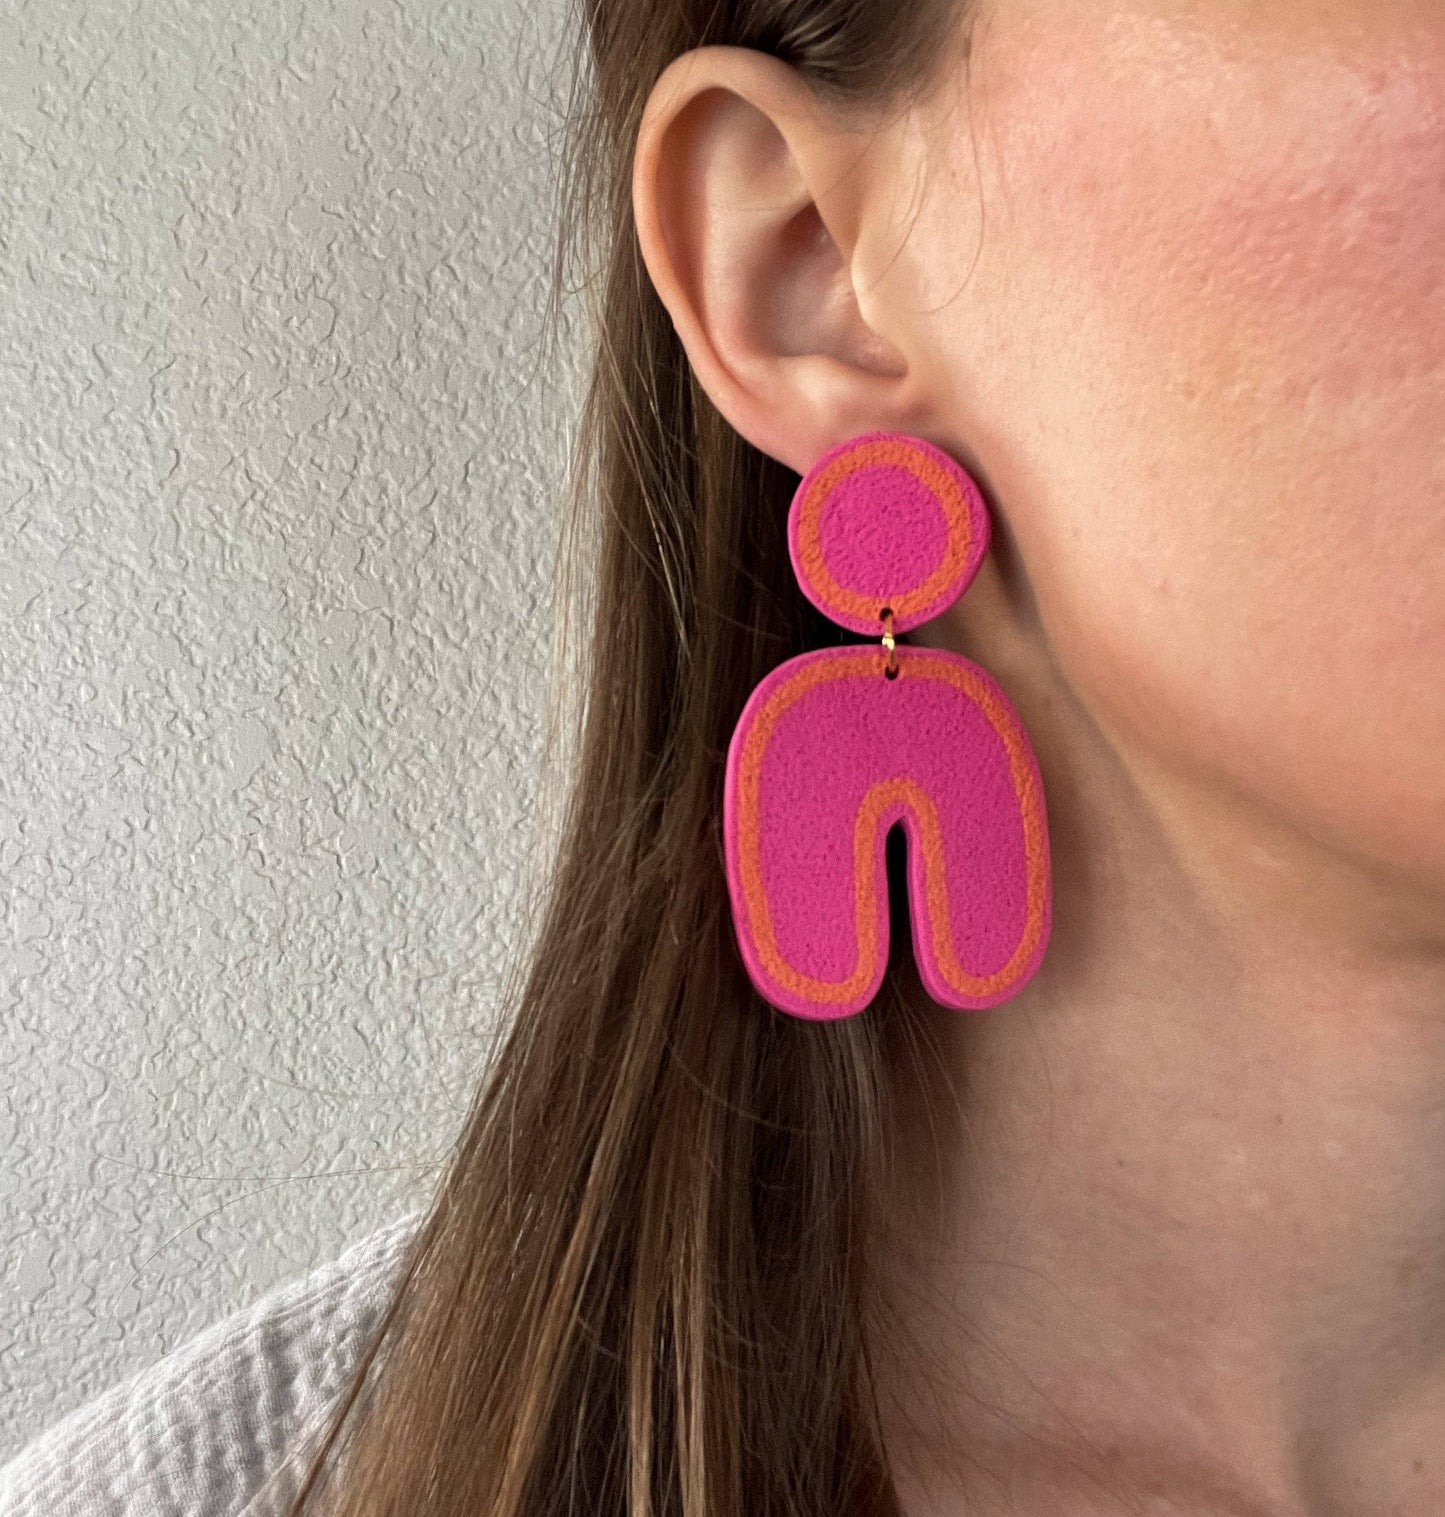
pixel 278 498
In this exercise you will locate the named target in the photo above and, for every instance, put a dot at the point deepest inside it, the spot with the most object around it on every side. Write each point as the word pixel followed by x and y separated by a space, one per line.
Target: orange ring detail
pixel 875 802
pixel 944 488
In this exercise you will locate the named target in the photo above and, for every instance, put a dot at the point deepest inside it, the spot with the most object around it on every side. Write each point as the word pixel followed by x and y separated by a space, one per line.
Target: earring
pixel 835 747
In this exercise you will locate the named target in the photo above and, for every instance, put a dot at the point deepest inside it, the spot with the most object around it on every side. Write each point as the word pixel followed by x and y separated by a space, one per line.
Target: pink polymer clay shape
pixel 835 747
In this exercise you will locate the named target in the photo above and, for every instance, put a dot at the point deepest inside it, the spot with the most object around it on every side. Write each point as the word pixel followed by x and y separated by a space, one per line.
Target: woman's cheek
pixel 1201 353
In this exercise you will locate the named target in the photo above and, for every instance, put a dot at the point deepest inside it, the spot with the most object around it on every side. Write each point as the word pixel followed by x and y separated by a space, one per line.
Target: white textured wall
pixel 278 468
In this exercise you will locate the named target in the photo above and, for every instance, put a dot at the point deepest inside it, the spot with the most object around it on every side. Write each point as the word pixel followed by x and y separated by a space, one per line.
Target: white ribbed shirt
pixel 217 1427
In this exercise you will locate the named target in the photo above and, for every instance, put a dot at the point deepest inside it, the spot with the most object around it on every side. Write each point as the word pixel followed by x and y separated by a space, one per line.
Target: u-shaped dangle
pixel 835 747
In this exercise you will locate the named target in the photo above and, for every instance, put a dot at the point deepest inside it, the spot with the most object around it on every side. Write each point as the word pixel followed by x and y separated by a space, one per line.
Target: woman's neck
pixel 1174 1229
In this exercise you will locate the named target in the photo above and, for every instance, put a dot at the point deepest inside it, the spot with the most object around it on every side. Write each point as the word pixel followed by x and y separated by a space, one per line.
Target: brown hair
pixel 641 1287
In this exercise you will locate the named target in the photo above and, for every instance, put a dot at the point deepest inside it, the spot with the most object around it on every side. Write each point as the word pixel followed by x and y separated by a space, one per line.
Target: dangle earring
pixel 835 747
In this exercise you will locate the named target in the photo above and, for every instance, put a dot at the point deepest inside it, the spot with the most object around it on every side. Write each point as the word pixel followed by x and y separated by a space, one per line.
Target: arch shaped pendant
pixel 834 748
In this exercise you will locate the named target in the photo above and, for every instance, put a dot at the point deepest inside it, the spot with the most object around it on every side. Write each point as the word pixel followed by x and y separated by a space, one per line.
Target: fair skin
pixel 1168 276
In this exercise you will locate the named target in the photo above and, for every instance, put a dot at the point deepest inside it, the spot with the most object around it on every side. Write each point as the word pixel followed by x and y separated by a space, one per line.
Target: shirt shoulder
pixel 214 1427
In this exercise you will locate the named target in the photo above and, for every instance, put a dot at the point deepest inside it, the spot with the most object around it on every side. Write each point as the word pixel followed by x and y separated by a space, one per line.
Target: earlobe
pixel 748 196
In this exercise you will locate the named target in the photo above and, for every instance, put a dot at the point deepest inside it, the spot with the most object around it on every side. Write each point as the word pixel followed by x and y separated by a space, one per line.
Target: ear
pixel 753 200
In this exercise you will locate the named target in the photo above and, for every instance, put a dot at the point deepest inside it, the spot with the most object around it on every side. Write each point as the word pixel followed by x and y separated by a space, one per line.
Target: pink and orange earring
pixel 835 747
